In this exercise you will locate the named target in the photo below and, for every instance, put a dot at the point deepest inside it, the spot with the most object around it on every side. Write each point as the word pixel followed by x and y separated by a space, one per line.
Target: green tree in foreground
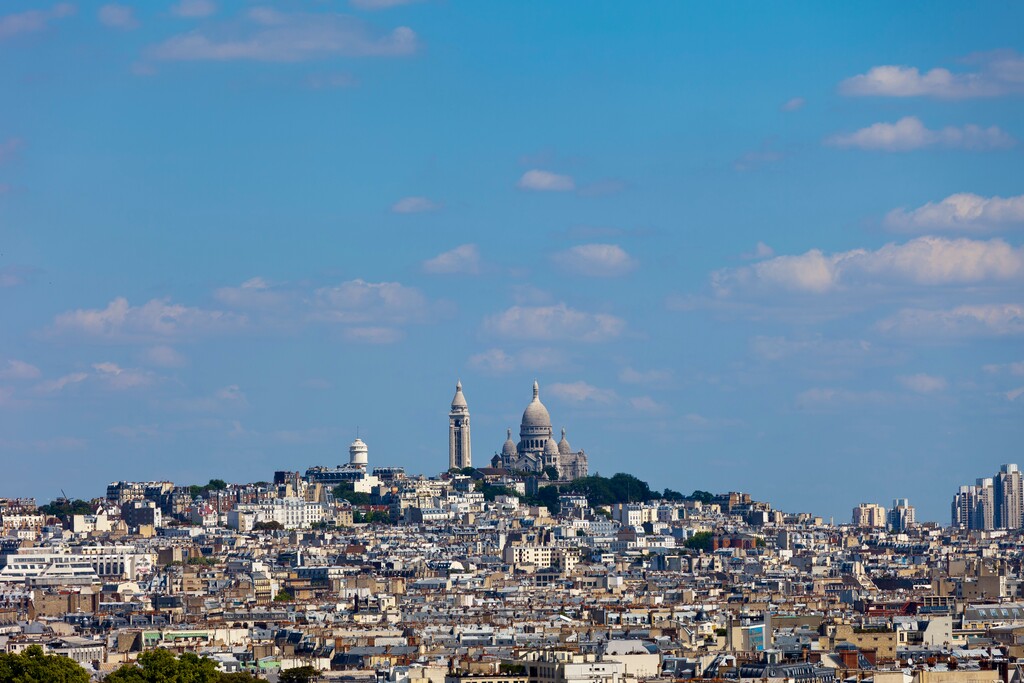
pixel 301 674
pixel 161 666
pixel 35 666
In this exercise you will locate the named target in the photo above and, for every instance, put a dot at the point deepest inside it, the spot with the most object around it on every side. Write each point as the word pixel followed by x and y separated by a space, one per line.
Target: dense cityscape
pixel 535 341
pixel 525 570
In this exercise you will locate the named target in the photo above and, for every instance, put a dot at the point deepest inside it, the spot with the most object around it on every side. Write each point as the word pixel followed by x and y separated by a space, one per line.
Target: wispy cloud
pixel 557 322
pixel 545 181
pixel 794 104
pixel 581 392
pixel 497 361
pixel 979 320
pixel 922 383
pixel 922 261
pixel 156 319
pixel 121 17
pixel 462 260
pixel 267 35
pixel 630 375
pixel 596 260
pixel 999 73
pixel 19 369
pixel 33 20
pixel 962 212
pixel 910 134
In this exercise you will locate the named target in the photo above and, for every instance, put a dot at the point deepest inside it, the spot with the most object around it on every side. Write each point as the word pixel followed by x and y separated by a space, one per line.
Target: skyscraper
pixel 1009 498
pixel 460 452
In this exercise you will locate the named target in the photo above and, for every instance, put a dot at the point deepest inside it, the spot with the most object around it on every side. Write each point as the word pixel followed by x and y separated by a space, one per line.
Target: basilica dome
pixel 510 447
pixel 551 448
pixel 536 415
pixel 563 446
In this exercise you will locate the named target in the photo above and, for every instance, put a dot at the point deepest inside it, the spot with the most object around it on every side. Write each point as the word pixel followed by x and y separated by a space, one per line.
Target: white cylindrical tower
pixel 358 454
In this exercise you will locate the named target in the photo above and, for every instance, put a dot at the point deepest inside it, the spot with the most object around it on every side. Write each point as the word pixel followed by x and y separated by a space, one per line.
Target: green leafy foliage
pixel 346 491
pixel 700 541
pixel 64 509
pixel 301 674
pixel 35 666
pixel 268 526
pixel 161 666
pixel 704 497
pixel 620 488
pixel 552 472
pixel 491 492
pixel 283 596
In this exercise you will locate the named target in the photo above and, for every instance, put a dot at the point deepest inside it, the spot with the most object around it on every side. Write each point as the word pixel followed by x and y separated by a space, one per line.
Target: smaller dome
pixel 551 448
pixel 563 446
pixel 510 447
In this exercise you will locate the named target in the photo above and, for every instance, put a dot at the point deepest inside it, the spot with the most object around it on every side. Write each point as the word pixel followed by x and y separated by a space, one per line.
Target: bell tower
pixel 460 452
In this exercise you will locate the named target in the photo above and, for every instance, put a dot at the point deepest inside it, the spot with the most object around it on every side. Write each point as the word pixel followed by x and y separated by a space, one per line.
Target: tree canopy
pixel 35 666
pixel 63 508
pixel 161 666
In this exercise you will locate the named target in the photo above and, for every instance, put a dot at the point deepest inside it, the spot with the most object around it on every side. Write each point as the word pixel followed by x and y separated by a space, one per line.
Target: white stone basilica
pixel 535 452
pixel 537 449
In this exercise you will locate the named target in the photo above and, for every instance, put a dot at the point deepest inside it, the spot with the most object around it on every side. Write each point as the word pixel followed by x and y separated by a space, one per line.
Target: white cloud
pixel 630 375
pixel 121 17
pixel 1014 394
pixel 921 261
pixel 830 398
pixel 33 20
pixel 362 303
pixel 165 357
pixel 795 104
pixel 415 205
pixel 271 36
pixel 545 181
pixel 116 377
pixel 922 383
pixel 255 293
pixel 158 318
pixel 19 369
pixel 596 260
pixel 55 386
pixel 1015 369
pixel 553 323
pixel 981 320
pixel 194 9
pixel 498 361
pixel 579 392
pixel 646 404
pixel 781 348
pixel 1001 73
pixel 909 134
pixel 761 251
pixel 960 212
pixel 464 260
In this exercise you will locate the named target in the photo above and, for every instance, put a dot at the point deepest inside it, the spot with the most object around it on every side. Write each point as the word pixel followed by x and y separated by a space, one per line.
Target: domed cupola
pixel 563 446
pixel 551 448
pixel 536 420
pixel 510 447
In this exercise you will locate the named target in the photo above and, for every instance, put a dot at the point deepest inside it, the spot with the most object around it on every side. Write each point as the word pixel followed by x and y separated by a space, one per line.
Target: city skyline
pixel 741 251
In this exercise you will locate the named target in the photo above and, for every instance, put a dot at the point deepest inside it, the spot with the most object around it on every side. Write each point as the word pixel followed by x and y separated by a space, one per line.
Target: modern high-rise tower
pixel 1009 498
pixel 460 452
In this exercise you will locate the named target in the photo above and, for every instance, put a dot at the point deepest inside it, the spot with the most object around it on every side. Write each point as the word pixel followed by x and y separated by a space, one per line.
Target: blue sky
pixel 742 247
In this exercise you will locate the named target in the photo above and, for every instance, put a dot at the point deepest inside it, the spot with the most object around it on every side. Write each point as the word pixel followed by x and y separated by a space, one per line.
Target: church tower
pixel 460 452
